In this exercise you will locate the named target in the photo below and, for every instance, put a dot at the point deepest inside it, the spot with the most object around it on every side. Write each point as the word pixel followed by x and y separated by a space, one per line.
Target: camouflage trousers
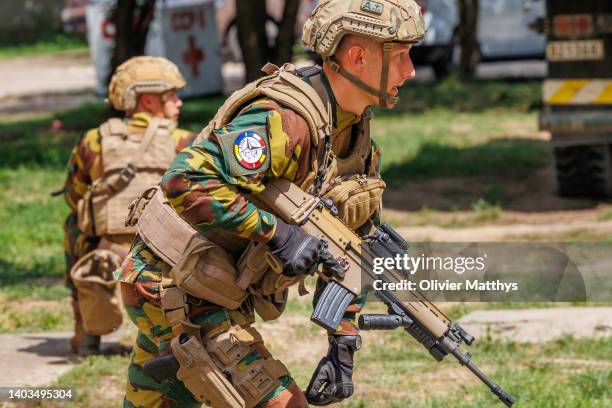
pixel 140 289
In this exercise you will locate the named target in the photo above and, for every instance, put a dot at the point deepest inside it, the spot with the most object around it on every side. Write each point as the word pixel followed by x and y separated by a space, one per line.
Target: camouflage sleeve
pixel 81 165
pixel 200 186
pixel 182 138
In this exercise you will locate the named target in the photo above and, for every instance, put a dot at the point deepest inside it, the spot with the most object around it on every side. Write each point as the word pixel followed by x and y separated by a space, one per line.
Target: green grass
pixel 98 381
pixel 47 45
pixel 562 373
pixel 443 143
pixel 473 95
pixel 392 370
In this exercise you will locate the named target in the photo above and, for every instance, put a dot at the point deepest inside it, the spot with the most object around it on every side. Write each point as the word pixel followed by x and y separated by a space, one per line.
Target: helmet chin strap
pixel 384 98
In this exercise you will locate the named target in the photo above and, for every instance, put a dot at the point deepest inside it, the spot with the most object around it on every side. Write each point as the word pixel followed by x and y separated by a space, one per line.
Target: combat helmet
pixel 143 74
pixel 385 21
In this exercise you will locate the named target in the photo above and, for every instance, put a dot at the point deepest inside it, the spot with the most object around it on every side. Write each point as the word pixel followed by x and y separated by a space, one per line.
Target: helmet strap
pixel 381 94
pixel 384 76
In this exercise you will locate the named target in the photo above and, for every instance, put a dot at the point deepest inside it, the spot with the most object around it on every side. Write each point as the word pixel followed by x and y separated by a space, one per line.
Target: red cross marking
pixel 192 56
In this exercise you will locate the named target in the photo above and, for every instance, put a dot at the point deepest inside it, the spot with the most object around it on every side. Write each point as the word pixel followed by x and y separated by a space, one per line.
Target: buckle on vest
pixel 127 173
pixel 192 300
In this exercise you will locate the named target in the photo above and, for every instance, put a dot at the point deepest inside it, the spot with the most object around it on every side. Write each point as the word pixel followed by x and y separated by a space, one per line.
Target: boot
pixel 89 346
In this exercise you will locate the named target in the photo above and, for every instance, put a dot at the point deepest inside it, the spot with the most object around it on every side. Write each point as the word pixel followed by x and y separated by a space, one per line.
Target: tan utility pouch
pixel 357 198
pixel 199 267
pixel 201 376
pixel 270 307
pixel 207 272
pixel 260 377
pixel 98 301
pixel 268 285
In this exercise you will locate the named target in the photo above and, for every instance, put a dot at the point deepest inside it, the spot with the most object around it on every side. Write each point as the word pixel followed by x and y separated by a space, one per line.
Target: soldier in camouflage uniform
pixel 86 167
pixel 258 135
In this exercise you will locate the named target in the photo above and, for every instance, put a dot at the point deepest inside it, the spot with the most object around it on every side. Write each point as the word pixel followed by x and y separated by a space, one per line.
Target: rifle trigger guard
pixel 344 263
pixel 304 210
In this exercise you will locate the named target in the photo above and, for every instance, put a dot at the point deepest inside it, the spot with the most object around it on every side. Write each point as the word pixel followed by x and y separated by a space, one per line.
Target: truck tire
pixel 584 171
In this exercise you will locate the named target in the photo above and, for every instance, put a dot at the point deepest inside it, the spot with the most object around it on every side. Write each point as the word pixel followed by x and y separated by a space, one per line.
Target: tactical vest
pixel 203 269
pixel 131 163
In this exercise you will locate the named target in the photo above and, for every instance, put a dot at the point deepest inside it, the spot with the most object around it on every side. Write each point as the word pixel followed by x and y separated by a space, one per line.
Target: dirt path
pixel 41 357
pixel 496 233
pixel 540 325
pixel 443 209
pixel 36 85
pixel 67 72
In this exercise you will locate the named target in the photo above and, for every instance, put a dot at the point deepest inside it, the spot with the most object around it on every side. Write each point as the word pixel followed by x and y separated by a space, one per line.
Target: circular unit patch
pixel 250 150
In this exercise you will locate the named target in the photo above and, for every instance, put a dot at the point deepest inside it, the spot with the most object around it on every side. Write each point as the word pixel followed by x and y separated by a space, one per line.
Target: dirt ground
pixel 441 209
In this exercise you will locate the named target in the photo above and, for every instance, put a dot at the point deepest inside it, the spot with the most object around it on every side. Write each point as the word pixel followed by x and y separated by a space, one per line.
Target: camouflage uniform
pixel 199 187
pixel 84 167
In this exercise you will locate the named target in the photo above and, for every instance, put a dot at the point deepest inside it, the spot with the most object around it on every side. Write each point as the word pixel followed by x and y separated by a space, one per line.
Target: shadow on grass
pixel 12 273
pixel 505 156
pixel 473 95
pixel 510 173
pixel 33 143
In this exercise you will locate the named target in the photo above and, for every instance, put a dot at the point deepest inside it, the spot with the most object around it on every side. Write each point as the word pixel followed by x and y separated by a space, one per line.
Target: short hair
pixel 350 40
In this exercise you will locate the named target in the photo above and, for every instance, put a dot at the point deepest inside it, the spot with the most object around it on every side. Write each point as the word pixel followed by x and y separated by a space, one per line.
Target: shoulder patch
pixel 246 151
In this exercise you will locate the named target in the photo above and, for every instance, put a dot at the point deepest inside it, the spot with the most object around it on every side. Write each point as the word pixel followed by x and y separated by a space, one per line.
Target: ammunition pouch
pixel 357 198
pixel 207 272
pixel 97 291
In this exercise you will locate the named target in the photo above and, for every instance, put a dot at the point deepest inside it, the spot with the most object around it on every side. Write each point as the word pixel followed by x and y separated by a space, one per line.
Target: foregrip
pixel 379 322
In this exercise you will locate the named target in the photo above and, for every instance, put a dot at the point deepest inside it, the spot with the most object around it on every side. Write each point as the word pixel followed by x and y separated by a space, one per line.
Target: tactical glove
pixel 301 253
pixel 332 381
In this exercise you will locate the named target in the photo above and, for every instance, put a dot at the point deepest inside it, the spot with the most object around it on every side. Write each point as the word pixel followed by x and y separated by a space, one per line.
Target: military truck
pixel 577 95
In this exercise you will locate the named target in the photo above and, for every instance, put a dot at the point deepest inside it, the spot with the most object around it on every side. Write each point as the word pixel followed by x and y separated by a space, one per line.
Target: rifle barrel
pixel 464 359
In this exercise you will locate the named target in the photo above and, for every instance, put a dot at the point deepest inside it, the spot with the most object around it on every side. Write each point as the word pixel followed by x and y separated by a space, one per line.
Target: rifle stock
pixel 419 317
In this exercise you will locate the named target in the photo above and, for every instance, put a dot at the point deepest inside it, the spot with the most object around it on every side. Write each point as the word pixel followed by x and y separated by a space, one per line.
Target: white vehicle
pixel 504 32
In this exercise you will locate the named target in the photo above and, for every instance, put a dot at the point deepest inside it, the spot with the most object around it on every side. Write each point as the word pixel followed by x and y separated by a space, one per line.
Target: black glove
pixel 301 253
pixel 332 381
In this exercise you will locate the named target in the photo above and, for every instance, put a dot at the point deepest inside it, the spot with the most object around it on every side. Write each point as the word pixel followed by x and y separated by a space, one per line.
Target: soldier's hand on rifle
pixel 332 381
pixel 301 253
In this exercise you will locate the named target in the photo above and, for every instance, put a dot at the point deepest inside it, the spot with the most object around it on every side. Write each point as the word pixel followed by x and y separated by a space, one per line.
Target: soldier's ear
pixel 355 56
pixel 148 103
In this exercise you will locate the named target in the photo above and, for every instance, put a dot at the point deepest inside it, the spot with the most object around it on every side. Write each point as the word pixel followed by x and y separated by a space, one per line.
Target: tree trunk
pixel 286 33
pixel 251 17
pixel 468 29
pixel 131 19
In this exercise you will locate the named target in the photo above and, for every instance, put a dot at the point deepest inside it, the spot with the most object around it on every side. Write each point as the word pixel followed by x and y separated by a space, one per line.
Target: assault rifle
pixel 418 316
